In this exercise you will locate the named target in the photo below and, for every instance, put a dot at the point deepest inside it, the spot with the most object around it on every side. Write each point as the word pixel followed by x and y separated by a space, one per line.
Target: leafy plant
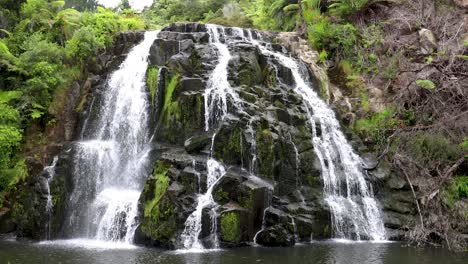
pixel 378 126
pixel 345 8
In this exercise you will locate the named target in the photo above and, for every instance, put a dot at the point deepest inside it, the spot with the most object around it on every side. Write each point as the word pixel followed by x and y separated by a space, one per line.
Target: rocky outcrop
pixel 272 189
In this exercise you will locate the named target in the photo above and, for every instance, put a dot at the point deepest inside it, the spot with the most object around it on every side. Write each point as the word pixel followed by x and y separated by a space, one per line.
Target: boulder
pixel 427 41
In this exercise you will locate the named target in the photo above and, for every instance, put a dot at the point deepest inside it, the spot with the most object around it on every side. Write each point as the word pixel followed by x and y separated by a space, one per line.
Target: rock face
pixel 272 190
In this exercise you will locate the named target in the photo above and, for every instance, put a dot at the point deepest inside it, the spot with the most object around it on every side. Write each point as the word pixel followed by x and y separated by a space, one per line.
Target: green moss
pixel 152 76
pixel 265 153
pixel 270 76
pixel 170 107
pixel 221 197
pixel 232 148
pixel 159 221
pixel 247 201
pixel 312 180
pixel 160 188
pixel 230 227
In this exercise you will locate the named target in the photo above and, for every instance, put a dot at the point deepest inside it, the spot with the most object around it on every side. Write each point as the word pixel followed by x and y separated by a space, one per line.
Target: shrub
pixel 456 190
pixel 83 44
pixel 378 126
pixel 427 148
pixel 345 8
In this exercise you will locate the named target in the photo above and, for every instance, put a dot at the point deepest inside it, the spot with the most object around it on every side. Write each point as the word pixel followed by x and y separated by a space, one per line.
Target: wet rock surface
pixel 266 148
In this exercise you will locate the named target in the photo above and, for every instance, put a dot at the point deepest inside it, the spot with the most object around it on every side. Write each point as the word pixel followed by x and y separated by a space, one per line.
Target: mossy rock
pixel 159 220
pixel 231 230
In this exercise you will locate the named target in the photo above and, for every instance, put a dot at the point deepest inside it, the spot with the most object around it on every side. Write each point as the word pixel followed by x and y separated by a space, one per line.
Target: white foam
pixel 88 244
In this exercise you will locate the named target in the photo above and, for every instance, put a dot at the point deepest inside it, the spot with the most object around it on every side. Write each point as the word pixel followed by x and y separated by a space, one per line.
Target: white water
pixel 110 167
pixel 193 225
pixel 217 95
pixel 354 210
pixel 263 226
pixel 219 90
pixel 50 205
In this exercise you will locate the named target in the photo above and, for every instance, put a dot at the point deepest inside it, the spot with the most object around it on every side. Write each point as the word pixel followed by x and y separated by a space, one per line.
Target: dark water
pixel 320 252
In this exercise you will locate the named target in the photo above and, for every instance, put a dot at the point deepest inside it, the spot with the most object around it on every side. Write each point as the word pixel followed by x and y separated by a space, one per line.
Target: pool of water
pixel 89 252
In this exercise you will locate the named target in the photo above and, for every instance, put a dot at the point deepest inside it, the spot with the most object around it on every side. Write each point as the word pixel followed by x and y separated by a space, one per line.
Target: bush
pixel 83 44
pixel 456 190
pixel 336 39
pixel 428 148
pixel 378 126
pixel 10 136
pixel 346 8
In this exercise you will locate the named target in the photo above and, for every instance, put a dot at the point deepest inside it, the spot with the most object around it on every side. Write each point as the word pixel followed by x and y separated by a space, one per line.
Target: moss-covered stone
pixel 152 78
pixel 265 153
pixel 171 109
pixel 158 215
pixel 229 148
pixel 230 227
pixel 221 197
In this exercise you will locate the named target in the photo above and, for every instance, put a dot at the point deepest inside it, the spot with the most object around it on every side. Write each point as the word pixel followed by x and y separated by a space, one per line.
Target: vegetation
pixel 45 47
pixel 230 226
pixel 420 129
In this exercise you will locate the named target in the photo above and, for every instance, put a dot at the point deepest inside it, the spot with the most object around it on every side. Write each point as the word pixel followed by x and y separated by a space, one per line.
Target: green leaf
pixel 7 96
pixel 426 84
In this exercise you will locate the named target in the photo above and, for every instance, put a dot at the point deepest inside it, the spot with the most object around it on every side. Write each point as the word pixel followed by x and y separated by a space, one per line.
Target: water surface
pixel 72 252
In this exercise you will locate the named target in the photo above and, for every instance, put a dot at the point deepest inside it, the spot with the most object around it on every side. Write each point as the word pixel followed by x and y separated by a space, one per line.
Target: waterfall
pixel 355 213
pixel 111 165
pixel 219 90
pixel 217 94
pixel 50 205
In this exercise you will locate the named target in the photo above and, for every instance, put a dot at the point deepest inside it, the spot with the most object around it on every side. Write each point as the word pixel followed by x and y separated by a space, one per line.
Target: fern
pixel 345 8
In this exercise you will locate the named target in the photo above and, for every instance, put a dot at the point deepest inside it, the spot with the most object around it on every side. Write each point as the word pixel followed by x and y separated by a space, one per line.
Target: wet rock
pixel 197 143
pixel 276 236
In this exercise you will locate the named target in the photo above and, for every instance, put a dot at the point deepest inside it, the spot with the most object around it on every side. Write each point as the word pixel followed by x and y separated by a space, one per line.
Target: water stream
pixel 354 211
pixel 111 164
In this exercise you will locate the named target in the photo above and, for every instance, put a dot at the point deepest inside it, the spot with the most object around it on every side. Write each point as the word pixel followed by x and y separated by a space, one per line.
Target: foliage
pixel 230 226
pixel 456 190
pixel 378 126
pixel 345 8
pixel 83 43
pixel 40 56
pixel 10 138
pixel 336 39
pixel 427 148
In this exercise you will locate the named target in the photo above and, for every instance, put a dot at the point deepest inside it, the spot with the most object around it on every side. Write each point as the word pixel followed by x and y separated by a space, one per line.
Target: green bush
pixel 378 126
pixel 345 8
pixel 428 148
pixel 83 44
pixel 336 39
pixel 456 190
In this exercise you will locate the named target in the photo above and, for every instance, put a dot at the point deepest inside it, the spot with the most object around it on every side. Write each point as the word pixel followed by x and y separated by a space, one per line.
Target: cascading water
pixel 219 90
pixel 50 205
pixel 110 166
pixel 354 210
pixel 217 94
